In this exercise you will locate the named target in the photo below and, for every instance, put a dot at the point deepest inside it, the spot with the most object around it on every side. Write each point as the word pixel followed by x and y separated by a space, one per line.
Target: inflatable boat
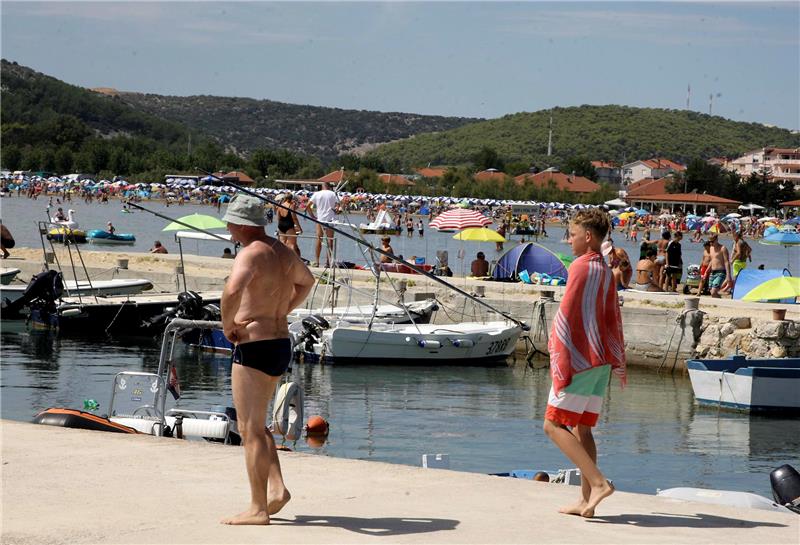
pixel 62 234
pixel 100 236
pixel 73 418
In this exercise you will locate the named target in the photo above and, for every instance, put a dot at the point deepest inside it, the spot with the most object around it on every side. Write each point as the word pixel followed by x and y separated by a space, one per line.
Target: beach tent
pixel 529 257
pixel 750 278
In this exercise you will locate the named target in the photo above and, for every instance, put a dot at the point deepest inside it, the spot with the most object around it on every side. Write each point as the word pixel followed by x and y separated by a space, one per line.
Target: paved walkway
pixel 74 486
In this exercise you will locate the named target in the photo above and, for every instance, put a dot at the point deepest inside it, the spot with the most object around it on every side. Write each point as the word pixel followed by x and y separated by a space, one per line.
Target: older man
pixel 267 281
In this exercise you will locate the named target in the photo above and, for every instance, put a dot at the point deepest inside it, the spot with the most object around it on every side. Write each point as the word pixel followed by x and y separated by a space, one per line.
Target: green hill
pixel 245 124
pixel 610 133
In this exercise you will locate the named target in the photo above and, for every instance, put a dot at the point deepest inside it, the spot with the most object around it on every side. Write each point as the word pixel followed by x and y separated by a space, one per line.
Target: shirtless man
pixel 719 269
pixel 661 258
pixel 267 281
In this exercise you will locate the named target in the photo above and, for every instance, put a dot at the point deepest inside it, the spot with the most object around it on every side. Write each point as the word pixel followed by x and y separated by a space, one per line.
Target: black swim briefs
pixel 271 357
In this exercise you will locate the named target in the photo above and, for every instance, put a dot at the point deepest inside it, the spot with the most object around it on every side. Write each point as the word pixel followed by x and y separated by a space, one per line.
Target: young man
pixel 674 265
pixel 479 266
pixel 585 344
pixel 322 206
pixel 267 282
pixel 740 256
pixel 719 269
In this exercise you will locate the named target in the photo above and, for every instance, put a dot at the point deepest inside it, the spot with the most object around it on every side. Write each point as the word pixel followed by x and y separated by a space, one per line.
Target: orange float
pixel 317 426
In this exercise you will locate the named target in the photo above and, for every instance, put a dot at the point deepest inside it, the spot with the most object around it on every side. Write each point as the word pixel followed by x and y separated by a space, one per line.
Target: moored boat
pixel 758 385
pixel 100 236
pixel 7 275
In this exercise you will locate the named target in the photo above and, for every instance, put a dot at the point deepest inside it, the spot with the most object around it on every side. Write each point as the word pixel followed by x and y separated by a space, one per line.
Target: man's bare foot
pixel 249 517
pixel 576 509
pixel 597 495
pixel 276 504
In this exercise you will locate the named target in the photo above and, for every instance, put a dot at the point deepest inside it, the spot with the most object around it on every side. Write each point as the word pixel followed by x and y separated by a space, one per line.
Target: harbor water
pixel 20 215
pixel 651 435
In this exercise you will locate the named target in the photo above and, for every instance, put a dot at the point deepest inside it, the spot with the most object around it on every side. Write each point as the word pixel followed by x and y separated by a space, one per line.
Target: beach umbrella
pixel 200 221
pixel 732 215
pixel 458 219
pixel 479 234
pixel 782 238
pixel 782 287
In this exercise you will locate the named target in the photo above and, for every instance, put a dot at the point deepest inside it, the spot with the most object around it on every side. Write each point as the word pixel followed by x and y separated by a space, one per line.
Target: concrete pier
pixel 75 486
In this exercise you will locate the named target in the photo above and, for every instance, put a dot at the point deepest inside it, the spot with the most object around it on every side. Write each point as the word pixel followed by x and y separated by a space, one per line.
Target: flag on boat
pixel 174 386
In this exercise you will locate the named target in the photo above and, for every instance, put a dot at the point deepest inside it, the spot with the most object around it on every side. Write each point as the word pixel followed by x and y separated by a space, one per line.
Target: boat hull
pixel 101 288
pixel 98 236
pixel 748 385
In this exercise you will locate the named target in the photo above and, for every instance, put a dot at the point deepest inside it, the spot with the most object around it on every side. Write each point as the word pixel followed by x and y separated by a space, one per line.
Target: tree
pixel 487 158
pixel 64 160
pixel 580 166
pixel 11 157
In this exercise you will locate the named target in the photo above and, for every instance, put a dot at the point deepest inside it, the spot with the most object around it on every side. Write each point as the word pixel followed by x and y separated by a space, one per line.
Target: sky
pixel 473 59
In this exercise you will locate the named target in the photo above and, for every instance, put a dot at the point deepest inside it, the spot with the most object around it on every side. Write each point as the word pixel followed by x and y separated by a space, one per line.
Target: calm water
pixel 20 216
pixel 651 435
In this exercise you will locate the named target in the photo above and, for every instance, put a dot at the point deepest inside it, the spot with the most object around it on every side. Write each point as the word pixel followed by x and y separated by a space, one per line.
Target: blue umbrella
pixel 782 238
pixel 642 212
pixel 793 221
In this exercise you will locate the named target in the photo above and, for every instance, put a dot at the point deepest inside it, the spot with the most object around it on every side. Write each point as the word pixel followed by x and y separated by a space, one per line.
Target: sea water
pixel 651 435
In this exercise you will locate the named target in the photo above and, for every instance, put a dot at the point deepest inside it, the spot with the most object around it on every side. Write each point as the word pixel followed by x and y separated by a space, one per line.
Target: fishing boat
pixel 465 343
pixel 757 385
pixel 101 236
pixel 7 275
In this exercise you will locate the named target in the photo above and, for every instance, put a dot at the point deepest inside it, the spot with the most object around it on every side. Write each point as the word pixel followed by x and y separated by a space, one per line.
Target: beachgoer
pixel 645 272
pixel 480 267
pixel 158 248
pixel 498 246
pixel 661 257
pixel 620 264
pixel 227 254
pixel 110 228
pixel 288 224
pixel 60 216
pixel 267 282
pixel 674 264
pixel 386 246
pixel 704 267
pixel 586 343
pixel 740 256
pixel 420 228
pixel 719 269
pixel 410 226
pixel 322 206
pixel 6 240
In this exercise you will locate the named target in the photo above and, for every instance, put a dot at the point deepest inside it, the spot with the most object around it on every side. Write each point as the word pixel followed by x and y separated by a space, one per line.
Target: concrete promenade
pixel 75 486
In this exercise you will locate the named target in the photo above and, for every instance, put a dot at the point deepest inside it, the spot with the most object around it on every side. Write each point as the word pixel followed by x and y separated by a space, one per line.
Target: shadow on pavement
pixel 383 526
pixel 668 520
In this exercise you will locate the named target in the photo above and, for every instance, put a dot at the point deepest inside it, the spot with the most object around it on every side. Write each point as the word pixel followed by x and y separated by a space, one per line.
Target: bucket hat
pixel 245 210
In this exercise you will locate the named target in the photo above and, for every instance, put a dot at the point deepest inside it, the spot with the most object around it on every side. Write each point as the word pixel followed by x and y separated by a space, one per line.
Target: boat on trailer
pixel 756 385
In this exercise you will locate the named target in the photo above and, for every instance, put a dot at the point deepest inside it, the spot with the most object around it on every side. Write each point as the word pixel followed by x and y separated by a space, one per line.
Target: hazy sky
pixel 483 59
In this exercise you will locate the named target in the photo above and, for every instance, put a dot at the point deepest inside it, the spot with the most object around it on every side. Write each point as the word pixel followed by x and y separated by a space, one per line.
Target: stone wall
pixel 722 337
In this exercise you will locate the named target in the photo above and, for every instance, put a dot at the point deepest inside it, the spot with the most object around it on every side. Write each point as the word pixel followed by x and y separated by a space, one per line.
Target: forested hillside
pixel 610 133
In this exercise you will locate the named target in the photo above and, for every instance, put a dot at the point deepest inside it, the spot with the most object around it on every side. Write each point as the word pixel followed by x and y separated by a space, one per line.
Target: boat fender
pixel 424 343
pixel 463 343
pixel 287 411
pixel 317 426
pixel 785 482
pixel 71 312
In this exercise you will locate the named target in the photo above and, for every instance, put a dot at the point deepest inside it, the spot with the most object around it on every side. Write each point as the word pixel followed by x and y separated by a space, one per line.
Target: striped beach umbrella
pixel 459 218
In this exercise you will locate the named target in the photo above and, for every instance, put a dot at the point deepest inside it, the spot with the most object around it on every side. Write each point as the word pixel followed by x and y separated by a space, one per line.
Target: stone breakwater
pixel 722 337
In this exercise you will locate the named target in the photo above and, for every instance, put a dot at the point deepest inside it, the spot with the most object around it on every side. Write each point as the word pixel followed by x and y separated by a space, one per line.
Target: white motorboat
pixel 416 311
pixel 119 286
pixel 466 343
pixel 763 385
pixel 7 275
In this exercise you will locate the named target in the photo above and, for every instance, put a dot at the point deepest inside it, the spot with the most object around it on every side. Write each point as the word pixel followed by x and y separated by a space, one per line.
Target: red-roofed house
pixel 395 179
pixel 490 174
pixel 791 204
pixel 568 182
pixel 431 172
pixel 607 172
pixel 237 178
pixel 333 177
pixel 649 168
pixel 649 186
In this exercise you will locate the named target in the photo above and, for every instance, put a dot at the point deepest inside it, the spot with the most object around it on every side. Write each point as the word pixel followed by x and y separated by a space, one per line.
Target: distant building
pixel 431 172
pixel 697 203
pixel 649 168
pixel 566 182
pixel 395 179
pixel 334 177
pixel 782 165
pixel 648 186
pixel 608 173
pixel 237 177
pixel 490 174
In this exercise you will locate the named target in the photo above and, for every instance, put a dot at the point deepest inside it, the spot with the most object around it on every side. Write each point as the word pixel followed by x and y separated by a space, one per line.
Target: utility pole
pixel 550 139
pixel 710 102
pixel 688 95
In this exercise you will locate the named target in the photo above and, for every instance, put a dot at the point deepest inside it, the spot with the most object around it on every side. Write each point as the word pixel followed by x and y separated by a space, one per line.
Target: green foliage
pixel 580 166
pixel 608 133
pixel 487 158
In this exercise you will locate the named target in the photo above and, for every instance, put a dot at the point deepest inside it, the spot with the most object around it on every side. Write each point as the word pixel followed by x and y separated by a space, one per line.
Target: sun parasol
pixel 200 221
pixel 479 234
pixel 782 238
pixel 782 287
pixel 459 218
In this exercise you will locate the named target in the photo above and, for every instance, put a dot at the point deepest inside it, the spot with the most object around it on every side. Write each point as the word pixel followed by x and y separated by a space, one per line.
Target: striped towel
pixel 587 329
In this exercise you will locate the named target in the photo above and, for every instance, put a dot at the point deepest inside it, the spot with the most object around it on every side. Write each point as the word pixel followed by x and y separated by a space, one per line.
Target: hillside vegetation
pixel 610 133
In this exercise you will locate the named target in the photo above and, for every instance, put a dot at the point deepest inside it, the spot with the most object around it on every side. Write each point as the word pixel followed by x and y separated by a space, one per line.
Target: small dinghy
pixel 100 236
pixel 63 234
pixel 73 418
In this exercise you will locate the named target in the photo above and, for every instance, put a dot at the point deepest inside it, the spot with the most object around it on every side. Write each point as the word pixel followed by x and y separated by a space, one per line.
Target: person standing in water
pixel 585 345
pixel 267 281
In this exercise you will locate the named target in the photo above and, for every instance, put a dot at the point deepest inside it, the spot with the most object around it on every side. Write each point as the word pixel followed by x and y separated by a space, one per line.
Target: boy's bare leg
pixel 575 450
pixel 586 439
pixel 251 393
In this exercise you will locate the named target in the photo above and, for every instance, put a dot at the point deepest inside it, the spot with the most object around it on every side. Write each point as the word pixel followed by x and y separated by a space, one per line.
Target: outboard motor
pixel 785 482
pixel 43 291
pixel 313 326
pixel 190 307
